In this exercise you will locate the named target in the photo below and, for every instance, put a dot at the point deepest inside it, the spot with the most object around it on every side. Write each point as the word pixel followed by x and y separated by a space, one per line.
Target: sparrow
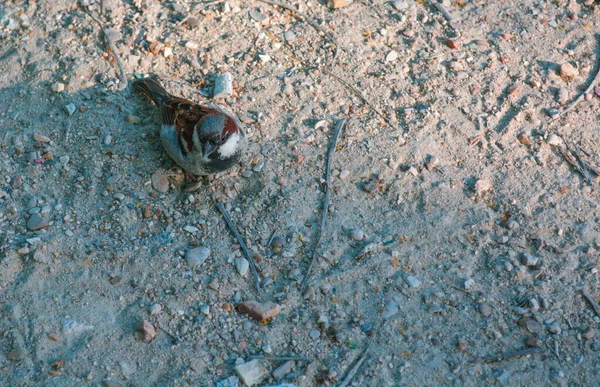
pixel 202 139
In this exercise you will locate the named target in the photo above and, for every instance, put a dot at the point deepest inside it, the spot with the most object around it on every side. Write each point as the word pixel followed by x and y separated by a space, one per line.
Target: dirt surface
pixel 458 234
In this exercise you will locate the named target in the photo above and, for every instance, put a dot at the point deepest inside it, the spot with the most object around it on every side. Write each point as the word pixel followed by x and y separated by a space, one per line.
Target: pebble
pixel 257 16
pixel 284 369
pixel 36 222
pixel 412 281
pixel 366 328
pixel 357 235
pixel 107 139
pixel 531 325
pixel 119 196
pixel 462 345
pixel 469 284
pixel 588 334
pixel 334 4
pixel 196 256
pixel 482 186
pixel 113 179
pixel 391 308
pixel 16 354
pixel 512 225
pixel 58 87
pixel 41 138
pixel 133 120
pixel 113 34
pixel 257 311
pixel 533 341
pixel 529 260
pixel 369 187
pixel 192 21
pixel 314 334
pixel 145 331
pixel 247 173
pixel 192 45
pixel 432 162
pixel 223 85
pixel 554 140
pixel 264 58
pixel 562 96
pixel 485 309
pixel 155 309
pixel 191 229
pixel 253 372
pixel 278 242
pixel 242 265
pixel 344 173
pixel 568 72
pixel 70 109
pixel 452 44
pixel 400 5
pixel 205 310
pixel 289 36
pixel 391 56
pixel 160 182
pixel 40 257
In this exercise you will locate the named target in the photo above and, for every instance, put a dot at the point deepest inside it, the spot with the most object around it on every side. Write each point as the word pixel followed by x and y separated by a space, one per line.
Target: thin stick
pixel 354 369
pixel 358 93
pixel 582 95
pixel 271 237
pixel 338 128
pixel 510 354
pixel 309 21
pixel 112 46
pixel 447 15
pixel 284 358
pixel 568 155
pixel 242 244
pixel 592 302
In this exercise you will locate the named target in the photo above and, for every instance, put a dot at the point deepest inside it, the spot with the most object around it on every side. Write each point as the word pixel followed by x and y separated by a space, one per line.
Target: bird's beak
pixel 207 149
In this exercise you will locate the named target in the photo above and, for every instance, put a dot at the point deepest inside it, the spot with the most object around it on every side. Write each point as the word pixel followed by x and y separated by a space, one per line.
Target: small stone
pixel 242 265
pixel 485 309
pixel 412 281
pixel 247 173
pixel 278 242
pixel 192 21
pixel 512 225
pixel 155 309
pixel 119 197
pixel 369 187
pixel 357 235
pixel 191 229
pixel 452 44
pixel 562 96
pixel 462 345
pixel 196 256
pixel 253 372
pixel 257 16
pixel 223 86
pixel 568 72
pixel 36 222
pixel 133 120
pixel 469 284
pixel 400 5
pixel 289 36
pixel 284 369
pixel 192 45
pixel 554 140
pixel 70 109
pixel 555 328
pixel 16 354
pixel 533 342
pixel 531 325
pixel 41 138
pixel 205 310
pixel 113 35
pixel 334 4
pixel 534 305
pixel 344 173
pixel 259 312
pixel 58 87
pixel 529 260
pixel 160 182
pixel 264 58
pixel 524 139
pixel 314 334
pixel 167 52
pixel 513 90
pixel 107 139
pixel 40 257
pixel 432 162
pixel 391 56
pixel 482 186
pixel 145 331
pixel 390 309
pixel 588 334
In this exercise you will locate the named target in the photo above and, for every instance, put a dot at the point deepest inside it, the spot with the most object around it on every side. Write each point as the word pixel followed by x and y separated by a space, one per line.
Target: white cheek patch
pixel 229 147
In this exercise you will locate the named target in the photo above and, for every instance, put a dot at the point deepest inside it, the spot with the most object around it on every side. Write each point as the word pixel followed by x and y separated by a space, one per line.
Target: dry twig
pixel 242 244
pixel 447 15
pixel 582 95
pixel 338 128
pixel 592 302
pixel 510 354
pixel 309 21
pixel 354 369
pixel 112 46
pixel 573 157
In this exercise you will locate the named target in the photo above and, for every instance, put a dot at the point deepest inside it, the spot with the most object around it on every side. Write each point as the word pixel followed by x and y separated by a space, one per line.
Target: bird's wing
pixel 184 115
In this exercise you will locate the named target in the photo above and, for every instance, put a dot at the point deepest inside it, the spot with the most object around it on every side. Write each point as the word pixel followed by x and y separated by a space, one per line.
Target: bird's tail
pixel 151 88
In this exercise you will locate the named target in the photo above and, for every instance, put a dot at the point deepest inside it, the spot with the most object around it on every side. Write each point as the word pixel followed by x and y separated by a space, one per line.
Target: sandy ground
pixel 481 238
